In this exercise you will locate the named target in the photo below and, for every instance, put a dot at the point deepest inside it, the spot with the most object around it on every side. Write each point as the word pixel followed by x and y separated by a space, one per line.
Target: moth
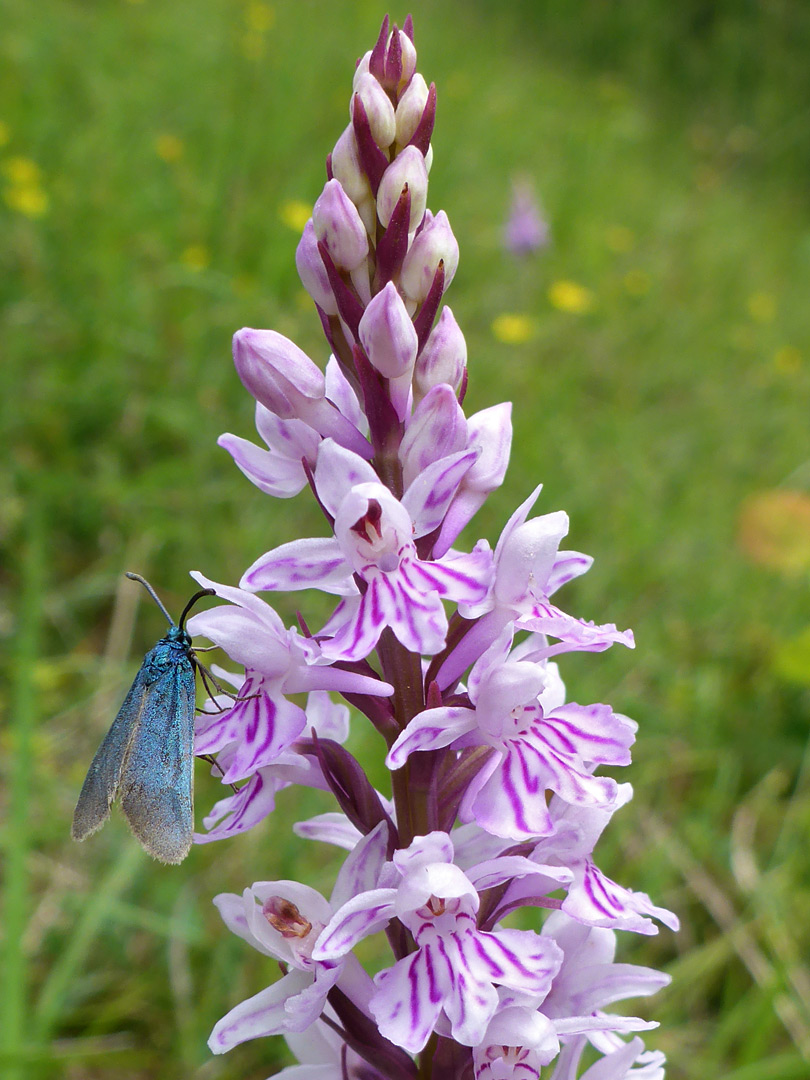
pixel 147 757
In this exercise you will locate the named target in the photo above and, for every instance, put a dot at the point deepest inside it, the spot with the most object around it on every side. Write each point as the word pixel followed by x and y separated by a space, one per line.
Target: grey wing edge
pixel 104 775
pixel 157 782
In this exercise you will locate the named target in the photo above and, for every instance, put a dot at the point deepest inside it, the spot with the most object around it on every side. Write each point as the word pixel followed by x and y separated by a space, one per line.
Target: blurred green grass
pixel 166 140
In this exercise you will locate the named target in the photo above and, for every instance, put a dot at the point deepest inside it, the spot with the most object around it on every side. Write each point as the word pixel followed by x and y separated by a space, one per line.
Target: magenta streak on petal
pixel 531 971
pixel 350 930
pixel 608 905
pixel 515 797
pixel 583 744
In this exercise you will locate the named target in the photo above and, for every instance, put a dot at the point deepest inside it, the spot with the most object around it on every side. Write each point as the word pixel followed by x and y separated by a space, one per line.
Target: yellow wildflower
pixel 571 297
pixel 28 199
pixel 195 257
pixel 21 171
pixel 168 147
pixel 295 213
pixel 513 329
pixel 787 359
pixel 259 17
pixel 762 307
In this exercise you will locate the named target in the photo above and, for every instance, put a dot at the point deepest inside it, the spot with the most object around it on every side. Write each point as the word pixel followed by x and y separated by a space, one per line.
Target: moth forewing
pixel 157 780
pixel 101 784
pixel 147 756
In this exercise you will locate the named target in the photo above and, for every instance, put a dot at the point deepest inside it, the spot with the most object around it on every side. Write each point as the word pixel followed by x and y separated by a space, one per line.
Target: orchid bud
pixel 388 335
pixel 338 224
pixel 312 271
pixel 408 58
pixel 284 379
pixel 434 244
pixel 347 169
pixel 436 429
pixel 410 108
pixel 407 168
pixel 378 108
pixel 443 358
pixel 276 372
pixel 361 69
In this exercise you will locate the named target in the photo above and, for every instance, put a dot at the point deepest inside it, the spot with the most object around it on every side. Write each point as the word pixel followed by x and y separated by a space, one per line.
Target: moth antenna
pixel 197 596
pixel 152 593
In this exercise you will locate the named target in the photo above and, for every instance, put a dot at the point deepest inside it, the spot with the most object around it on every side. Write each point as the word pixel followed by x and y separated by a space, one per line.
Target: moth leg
pixel 208 677
pixel 213 761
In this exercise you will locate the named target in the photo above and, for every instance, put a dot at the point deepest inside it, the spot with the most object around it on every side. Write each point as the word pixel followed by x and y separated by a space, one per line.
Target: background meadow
pixel 157 161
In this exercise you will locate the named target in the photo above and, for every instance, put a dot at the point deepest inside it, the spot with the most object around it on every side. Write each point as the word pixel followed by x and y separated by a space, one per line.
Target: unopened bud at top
pixel 434 244
pixel 444 357
pixel 379 110
pixel 410 108
pixel 339 226
pixel 407 168
pixel 408 58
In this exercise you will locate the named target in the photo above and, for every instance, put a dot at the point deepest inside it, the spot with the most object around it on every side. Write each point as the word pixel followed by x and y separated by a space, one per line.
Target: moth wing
pixel 157 780
pixel 104 775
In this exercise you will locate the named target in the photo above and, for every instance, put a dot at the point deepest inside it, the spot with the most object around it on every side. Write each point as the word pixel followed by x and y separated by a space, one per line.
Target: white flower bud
pixel 444 357
pixel 339 226
pixel 407 168
pixel 408 50
pixel 434 243
pixel 379 110
pixel 347 169
pixel 410 108
pixel 361 69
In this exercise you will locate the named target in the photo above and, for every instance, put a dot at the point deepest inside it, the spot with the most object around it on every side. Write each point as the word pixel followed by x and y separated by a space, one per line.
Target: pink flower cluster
pixel 497 794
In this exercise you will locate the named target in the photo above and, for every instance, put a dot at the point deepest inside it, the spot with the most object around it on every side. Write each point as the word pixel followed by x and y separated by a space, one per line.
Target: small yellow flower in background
pixel 259 17
pixel 571 297
pixel 787 359
pixel 24 192
pixel 168 147
pixel 620 239
pixel 762 307
pixel 21 171
pixel 513 329
pixel 791 659
pixel 774 530
pixel 29 200
pixel 5 133
pixel 195 257
pixel 637 282
pixel 295 213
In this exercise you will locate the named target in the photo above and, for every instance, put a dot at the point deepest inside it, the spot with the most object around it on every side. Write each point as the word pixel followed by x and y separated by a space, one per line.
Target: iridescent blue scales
pixel 146 760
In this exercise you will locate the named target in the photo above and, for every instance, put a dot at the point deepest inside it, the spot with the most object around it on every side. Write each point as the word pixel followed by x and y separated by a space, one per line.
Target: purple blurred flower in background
pixel 526 230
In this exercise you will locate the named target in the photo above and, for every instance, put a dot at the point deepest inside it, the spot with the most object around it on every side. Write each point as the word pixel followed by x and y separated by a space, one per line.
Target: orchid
pixel 498 792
